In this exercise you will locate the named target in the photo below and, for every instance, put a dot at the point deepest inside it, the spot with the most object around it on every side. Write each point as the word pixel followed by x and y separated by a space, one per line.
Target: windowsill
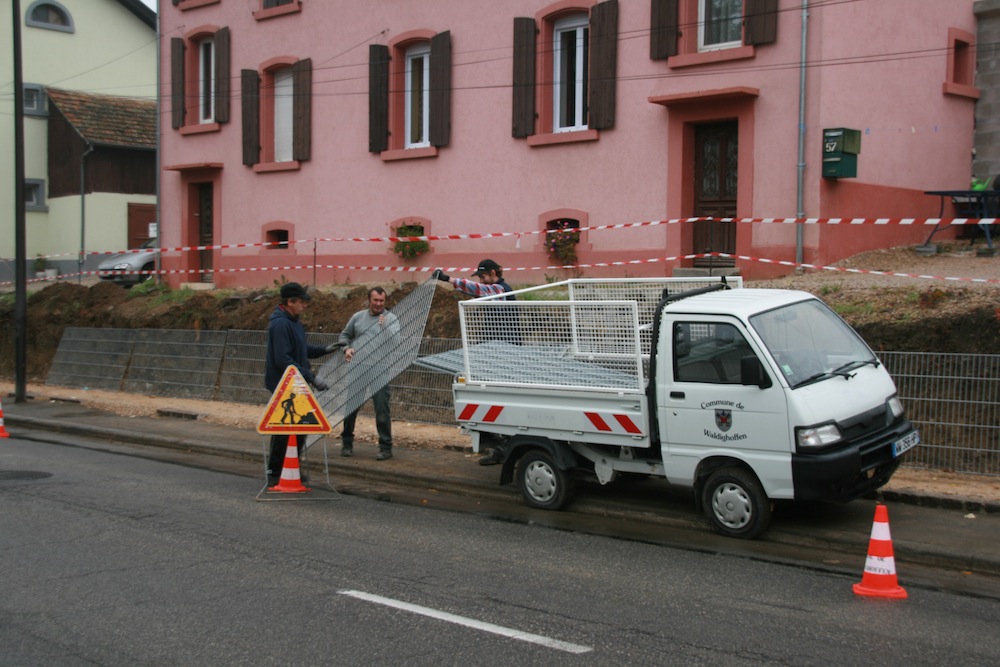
pixel 291 8
pixel 555 138
pixel 192 4
pixel 711 57
pixel 960 90
pixel 408 153
pixel 200 129
pixel 268 167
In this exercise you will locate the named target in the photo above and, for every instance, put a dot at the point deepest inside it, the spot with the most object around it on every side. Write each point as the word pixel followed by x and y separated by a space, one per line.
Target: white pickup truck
pixel 745 395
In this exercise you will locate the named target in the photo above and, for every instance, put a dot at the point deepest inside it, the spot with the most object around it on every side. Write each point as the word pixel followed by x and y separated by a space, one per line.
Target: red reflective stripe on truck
pixel 597 421
pixel 627 424
pixel 467 413
pixel 493 413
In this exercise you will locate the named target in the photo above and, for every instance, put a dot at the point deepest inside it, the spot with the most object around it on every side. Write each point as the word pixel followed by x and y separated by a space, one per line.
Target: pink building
pixel 304 123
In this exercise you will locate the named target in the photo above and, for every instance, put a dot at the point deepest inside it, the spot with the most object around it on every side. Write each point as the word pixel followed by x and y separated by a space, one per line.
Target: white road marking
pixel 469 622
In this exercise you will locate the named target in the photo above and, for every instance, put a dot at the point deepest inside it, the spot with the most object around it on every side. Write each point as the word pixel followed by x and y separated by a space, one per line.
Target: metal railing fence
pixel 954 399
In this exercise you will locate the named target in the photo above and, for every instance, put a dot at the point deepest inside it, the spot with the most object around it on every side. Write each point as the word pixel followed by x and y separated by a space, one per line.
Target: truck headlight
pixel 895 408
pixel 815 437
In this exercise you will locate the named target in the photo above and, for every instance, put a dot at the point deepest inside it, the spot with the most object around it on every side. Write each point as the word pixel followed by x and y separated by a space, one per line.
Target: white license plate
pixel 909 441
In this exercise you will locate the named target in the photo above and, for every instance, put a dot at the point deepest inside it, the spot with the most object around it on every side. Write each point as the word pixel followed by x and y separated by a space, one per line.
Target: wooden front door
pixel 139 217
pixel 715 178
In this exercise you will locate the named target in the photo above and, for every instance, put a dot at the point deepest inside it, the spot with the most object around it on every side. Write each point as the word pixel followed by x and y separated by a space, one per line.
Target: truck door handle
pixel 677 394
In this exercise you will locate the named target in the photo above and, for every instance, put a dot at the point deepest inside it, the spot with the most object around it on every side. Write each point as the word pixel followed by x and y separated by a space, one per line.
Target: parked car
pixel 124 267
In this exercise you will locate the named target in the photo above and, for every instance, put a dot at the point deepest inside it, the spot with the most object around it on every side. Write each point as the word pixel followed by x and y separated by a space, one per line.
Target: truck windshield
pixel 810 343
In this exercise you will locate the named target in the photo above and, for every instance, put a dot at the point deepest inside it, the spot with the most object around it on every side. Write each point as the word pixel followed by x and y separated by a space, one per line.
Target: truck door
pixel 706 410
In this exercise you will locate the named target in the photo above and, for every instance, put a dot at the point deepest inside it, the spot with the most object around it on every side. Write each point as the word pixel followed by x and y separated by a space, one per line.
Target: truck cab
pixel 773 385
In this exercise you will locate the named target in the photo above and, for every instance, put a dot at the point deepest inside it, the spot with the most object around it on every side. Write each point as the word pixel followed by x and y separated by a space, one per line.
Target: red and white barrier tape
pixel 451 269
pixel 626 225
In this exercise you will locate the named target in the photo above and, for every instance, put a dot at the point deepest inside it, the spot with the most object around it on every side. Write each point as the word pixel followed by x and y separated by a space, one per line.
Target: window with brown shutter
pixel 523 123
pixel 761 26
pixel 378 98
pixel 302 109
pixel 440 89
pixel 663 29
pixel 177 105
pixel 250 100
pixel 603 64
pixel 222 80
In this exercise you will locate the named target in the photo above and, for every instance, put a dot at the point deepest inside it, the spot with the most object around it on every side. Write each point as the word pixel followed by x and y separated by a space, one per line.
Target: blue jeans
pixel 383 421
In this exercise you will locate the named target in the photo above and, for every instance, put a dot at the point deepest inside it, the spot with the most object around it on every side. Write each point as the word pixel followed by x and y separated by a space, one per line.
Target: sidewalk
pixel 960 534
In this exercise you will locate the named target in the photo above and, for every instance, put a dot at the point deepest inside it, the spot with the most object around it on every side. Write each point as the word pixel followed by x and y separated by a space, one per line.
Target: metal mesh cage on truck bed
pixel 588 334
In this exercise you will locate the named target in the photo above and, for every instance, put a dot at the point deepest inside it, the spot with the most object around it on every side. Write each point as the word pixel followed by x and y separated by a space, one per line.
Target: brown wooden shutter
pixel 663 30
pixel 250 100
pixel 761 24
pixel 302 109
pixel 177 49
pixel 223 87
pixel 523 123
pixel 440 89
pixel 378 98
pixel 603 64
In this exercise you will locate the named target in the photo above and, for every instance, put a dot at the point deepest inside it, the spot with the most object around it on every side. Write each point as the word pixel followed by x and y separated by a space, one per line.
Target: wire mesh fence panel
pixel 241 374
pixel 422 395
pixel 954 399
pixel 646 293
pixel 96 358
pixel 173 362
pixel 381 353
pixel 588 345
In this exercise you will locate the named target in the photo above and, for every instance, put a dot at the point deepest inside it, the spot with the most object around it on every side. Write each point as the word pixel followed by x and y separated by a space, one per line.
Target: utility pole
pixel 20 245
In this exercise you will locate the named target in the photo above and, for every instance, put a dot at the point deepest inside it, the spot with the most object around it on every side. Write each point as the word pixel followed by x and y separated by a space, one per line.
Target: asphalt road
pixel 110 558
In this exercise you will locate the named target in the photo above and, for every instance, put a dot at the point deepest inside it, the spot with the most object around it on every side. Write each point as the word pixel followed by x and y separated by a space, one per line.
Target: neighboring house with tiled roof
pixel 89 75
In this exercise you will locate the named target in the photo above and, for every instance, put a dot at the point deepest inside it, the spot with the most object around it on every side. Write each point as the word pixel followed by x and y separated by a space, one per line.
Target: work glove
pixel 320 385
pixel 441 275
pixel 333 347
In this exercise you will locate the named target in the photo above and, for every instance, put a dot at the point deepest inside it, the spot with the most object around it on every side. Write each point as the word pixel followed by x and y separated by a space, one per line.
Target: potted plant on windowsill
pixel 561 241
pixel 410 249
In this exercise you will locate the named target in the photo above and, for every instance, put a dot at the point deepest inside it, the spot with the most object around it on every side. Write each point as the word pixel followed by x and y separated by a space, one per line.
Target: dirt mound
pixel 892 312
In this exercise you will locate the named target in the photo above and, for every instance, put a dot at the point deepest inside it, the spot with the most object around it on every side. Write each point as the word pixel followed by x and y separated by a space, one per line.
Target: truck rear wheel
pixel 543 483
pixel 736 504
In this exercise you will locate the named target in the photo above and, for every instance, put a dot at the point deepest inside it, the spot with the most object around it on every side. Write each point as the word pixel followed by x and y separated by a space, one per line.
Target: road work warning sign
pixel 293 408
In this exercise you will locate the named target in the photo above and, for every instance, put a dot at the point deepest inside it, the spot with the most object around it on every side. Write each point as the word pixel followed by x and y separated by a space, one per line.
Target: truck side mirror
pixel 752 373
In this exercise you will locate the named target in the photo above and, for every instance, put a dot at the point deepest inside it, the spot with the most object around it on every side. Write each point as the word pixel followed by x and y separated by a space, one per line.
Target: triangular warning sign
pixel 293 408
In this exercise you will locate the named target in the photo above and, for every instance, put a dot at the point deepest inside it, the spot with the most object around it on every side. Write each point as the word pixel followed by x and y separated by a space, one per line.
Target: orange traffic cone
pixel 879 579
pixel 291 480
pixel 3 431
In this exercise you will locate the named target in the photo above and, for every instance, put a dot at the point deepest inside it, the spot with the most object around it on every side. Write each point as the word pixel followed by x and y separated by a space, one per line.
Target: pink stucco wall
pixel 874 66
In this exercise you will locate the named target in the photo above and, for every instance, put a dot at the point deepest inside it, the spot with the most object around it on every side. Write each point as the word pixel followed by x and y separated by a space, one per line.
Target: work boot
pixel 347 451
pixel 383 454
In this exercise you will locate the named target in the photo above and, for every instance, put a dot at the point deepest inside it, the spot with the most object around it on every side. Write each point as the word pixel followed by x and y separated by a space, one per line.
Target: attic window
pixel 49 15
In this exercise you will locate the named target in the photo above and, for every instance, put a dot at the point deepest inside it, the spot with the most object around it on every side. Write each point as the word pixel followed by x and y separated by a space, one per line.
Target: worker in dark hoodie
pixel 287 346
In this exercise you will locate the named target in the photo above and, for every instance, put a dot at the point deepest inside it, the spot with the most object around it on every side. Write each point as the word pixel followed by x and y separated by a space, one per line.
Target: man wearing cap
pixel 491 282
pixel 287 346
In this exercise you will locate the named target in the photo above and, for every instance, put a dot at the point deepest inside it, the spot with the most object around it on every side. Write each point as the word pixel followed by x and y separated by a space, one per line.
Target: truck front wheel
pixel 543 483
pixel 736 504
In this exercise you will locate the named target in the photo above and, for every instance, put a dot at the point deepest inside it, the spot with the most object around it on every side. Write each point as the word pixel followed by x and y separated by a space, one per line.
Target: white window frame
pixel 206 80
pixel 417 96
pixel 34 100
pixel 284 125
pixel 703 19
pixel 564 86
pixel 36 202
